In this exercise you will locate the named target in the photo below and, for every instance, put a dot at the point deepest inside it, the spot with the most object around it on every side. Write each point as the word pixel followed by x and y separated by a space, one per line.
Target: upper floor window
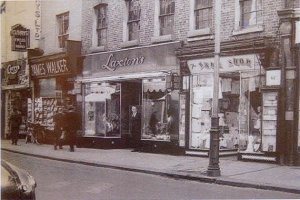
pixel 251 13
pixel 203 14
pixel 134 15
pixel 166 16
pixel 63 29
pixel 101 24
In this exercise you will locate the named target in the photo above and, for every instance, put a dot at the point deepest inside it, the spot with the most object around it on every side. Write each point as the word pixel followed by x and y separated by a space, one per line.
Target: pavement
pixel 268 176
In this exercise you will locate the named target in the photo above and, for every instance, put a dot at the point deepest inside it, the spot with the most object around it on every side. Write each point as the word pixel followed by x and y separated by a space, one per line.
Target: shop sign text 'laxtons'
pixel 113 64
pixel 50 68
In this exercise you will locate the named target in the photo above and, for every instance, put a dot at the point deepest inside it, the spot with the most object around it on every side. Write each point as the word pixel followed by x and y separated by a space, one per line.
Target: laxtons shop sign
pixel 52 67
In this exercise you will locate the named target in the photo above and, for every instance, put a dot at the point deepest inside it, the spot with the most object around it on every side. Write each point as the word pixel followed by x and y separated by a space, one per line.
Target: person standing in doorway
pixel 15 122
pixel 135 127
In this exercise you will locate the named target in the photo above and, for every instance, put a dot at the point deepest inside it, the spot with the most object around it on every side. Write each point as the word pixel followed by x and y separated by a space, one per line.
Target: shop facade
pixel 248 100
pixel 52 79
pixel 146 78
pixel 15 90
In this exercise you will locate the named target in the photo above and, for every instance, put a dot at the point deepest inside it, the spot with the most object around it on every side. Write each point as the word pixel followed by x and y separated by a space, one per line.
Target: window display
pixel 269 121
pixel 239 111
pixel 158 121
pixel 102 110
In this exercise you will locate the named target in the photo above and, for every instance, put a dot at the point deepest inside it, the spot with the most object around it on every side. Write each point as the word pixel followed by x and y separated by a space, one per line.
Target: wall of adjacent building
pixel 50 9
pixel 16 12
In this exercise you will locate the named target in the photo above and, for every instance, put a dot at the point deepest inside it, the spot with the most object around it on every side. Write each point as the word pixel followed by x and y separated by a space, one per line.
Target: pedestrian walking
pixel 73 122
pixel 59 124
pixel 15 122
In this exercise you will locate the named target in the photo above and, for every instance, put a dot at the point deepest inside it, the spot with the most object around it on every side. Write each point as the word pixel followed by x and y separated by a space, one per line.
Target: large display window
pixel 239 111
pixel 102 109
pixel 159 111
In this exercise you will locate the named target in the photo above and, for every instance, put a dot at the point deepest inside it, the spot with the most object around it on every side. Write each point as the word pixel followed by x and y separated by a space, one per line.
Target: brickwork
pixel 117 11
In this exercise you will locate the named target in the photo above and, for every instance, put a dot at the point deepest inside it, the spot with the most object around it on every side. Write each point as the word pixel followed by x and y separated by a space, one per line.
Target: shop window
pixel 159 111
pixel 203 14
pixel 63 29
pixel 166 16
pixel 134 15
pixel 102 110
pixel 239 111
pixel 101 24
pixel 47 87
pixel 250 13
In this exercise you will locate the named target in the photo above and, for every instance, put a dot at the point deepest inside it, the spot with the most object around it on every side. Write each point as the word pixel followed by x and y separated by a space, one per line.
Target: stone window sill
pixel 130 43
pixel 97 49
pixel 252 29
pixel 199 32
pixel 161 38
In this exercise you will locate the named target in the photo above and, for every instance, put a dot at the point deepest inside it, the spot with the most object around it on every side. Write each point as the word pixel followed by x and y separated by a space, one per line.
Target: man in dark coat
pixel 135 127
pixel 15 122
pixel 59 123
pixel 73 122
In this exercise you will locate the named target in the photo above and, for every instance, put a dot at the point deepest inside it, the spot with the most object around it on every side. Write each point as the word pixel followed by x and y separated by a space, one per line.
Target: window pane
pixel 251 12
pixel 101 16
pixel 102 35
pixel 203 18
pixel 134 10
pixel 167 7
pixel 199 4
pixel 101 12
pixel 166 24
pixel 134 28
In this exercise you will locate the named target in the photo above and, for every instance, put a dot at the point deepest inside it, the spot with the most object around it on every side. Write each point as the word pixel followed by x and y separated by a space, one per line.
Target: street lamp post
pixel 213 167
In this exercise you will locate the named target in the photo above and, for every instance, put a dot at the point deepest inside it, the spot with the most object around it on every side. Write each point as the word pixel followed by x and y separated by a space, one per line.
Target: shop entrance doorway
pixel 131 97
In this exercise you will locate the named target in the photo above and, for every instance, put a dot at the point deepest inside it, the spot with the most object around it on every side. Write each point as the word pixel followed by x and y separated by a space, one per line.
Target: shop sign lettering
pixel 227 64
pixel 113 64
pixel 50 68
pixel 13 69
pixel 20 38
pixel 37 20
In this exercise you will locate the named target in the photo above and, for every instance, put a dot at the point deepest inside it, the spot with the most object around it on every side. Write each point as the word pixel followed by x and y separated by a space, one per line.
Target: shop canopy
pixel 97 97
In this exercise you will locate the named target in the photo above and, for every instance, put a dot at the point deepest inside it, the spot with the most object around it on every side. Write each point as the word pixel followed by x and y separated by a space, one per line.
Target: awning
pixel 97 97
pixel 154 85
pixel 124 77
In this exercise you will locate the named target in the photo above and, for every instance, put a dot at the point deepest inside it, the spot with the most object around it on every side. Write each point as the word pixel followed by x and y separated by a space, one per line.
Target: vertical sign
pixel 37 20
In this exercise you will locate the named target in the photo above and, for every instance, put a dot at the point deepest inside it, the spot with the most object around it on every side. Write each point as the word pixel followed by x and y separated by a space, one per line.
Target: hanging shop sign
pixel 15 73
pixel 146 59
pixel 13 69
pixel 53 67
pixel 20 38
pixel 227 64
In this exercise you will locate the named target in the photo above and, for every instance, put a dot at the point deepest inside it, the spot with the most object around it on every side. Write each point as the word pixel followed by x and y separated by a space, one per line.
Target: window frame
pixel 243 13
pixel 63 32
pixel 209 16
pixel 104 26
pixel 165 16
pixel 133 35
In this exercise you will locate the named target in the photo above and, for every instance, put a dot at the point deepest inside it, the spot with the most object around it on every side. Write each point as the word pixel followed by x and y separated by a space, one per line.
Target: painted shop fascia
pixel 52 85
pixel 113 82
pixel 248 98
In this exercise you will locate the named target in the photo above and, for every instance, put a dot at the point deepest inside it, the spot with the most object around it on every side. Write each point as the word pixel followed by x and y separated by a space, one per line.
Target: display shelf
pixel 269 120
